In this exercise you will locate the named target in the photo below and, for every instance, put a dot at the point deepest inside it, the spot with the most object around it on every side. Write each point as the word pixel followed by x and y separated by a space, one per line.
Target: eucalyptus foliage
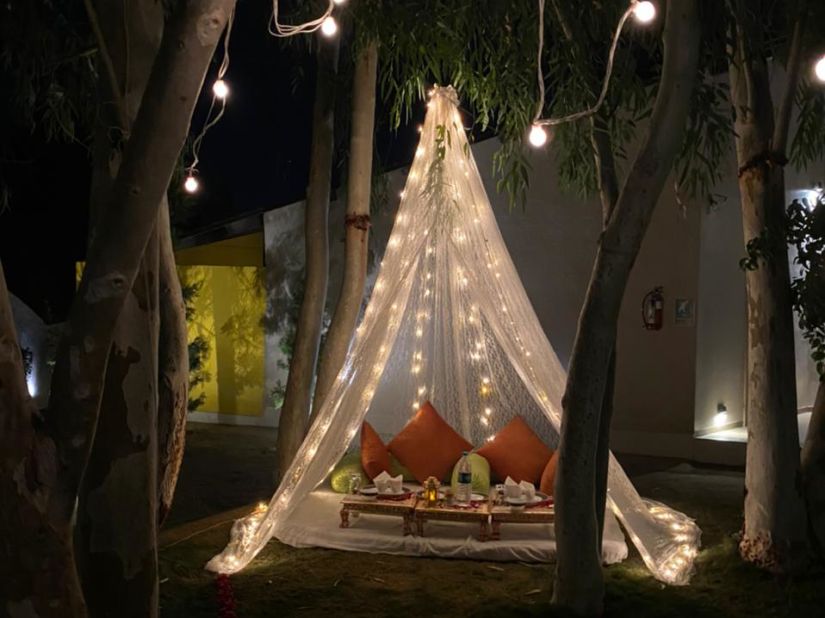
pixel 487 50
pixel 806 232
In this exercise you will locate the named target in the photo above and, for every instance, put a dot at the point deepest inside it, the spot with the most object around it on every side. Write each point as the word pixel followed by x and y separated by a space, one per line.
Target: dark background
pixel 255 159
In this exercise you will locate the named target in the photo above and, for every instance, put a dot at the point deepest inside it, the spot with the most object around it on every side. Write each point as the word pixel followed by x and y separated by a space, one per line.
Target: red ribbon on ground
pixel 226 597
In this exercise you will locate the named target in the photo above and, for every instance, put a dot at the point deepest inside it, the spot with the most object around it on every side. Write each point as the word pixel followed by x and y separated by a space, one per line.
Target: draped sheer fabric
pixel 449 321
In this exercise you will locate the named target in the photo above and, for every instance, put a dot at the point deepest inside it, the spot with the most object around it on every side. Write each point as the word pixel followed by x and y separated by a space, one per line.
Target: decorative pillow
pixel 480 468
pixel 517 452
pixel 428 446
pixel 396 468
pixel 375 458
pixel 350 464
pixel 548 477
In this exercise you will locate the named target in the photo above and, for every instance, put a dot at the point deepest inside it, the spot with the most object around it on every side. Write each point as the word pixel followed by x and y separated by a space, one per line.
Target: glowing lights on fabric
pixel 449 321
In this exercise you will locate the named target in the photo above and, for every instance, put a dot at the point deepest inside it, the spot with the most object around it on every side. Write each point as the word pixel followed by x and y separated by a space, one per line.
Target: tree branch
pixel 783 117
pixel 108 65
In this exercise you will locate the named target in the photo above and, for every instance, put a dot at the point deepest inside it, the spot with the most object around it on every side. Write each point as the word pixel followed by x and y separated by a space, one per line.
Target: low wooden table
pixel 374 506
pixel 502 514
pixel 444 512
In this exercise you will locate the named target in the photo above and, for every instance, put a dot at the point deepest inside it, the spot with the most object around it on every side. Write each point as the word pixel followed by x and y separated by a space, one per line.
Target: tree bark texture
pixel 115 534
pixel 116 531
pixel 297 399
pixel 173 369
pixel 579 585
pixel 37 570
pixel 357 224
pixel 813 469
pixel 608 183
pixel 42 476
pixel 774 535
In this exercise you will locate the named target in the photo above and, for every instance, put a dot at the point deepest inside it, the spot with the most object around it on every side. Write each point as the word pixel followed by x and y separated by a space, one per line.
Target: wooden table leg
pixel 484 534
pixel 344 517
pixel 496 535
pixel 408 524
pixel 419 524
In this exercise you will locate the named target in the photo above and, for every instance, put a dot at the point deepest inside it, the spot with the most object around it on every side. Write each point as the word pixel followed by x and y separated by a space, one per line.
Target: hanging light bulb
pixel 644 11
pixel 339 2
pixel 538 136
pixel 329 26
pixel 191 184
pixel 220 89
pixel 819 69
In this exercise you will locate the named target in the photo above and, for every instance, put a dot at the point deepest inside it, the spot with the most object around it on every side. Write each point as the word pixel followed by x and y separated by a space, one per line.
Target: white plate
pixel 475 498
pixel 539 497
pixel 372 490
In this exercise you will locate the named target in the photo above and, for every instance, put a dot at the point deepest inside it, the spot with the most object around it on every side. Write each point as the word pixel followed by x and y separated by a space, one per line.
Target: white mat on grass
pixel 316 524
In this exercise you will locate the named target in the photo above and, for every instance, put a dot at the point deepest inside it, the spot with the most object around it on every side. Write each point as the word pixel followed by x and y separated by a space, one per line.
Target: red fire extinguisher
pixel 653 309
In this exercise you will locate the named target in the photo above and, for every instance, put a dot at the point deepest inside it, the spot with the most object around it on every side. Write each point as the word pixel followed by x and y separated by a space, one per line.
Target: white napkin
pixel 528 490
pixel 511 488
pixel 386 484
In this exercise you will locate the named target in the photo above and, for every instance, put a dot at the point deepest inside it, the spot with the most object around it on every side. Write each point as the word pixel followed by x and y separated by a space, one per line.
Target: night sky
pixel 255 159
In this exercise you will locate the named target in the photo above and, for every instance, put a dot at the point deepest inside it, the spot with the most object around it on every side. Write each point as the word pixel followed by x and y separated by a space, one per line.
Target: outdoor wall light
pixel 721 416
pixel 814 196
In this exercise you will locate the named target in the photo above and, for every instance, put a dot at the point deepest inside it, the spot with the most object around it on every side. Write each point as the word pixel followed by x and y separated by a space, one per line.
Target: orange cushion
pixel 548 477
pixel 375 458
pixel 517 452
pixel 428 446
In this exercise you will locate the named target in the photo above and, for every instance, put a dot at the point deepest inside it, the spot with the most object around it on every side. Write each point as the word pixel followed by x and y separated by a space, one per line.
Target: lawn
pixel 284 581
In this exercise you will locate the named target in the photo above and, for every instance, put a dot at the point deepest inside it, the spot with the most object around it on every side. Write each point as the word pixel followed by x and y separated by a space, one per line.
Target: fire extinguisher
pixel 653 309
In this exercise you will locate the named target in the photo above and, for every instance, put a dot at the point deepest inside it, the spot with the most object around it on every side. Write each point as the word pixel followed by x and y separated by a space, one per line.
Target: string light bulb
pixel 339 2
pixel 329 26
pixel 191 184
pixel 819 69
pixel 644 12
pixel 220 89
pixel 538 136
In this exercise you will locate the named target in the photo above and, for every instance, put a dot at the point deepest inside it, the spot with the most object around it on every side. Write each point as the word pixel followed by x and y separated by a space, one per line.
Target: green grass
pixel 284 581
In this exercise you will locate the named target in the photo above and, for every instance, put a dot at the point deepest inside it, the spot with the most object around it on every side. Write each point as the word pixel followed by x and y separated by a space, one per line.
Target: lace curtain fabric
pixel 449 321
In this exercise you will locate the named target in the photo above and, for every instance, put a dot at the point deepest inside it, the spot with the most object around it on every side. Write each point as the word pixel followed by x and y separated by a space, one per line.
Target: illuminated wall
pixel 227 314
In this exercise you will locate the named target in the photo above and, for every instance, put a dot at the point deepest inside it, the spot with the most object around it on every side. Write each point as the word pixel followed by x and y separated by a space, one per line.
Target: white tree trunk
pixel 115 537
pixel 173 369
pixel 40 476
pixel 579 585
pixel 296 409
pixel 774 535
pixel 357 224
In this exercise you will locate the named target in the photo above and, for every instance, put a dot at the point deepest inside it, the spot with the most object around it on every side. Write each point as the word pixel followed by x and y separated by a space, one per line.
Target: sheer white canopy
pixel 449 321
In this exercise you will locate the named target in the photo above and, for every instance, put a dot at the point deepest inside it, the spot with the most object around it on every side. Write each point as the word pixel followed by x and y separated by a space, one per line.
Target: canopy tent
pixel 449 321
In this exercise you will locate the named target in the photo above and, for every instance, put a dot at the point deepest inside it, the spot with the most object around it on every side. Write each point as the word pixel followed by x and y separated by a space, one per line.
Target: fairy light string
pixel 642 10
pixel 325 23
